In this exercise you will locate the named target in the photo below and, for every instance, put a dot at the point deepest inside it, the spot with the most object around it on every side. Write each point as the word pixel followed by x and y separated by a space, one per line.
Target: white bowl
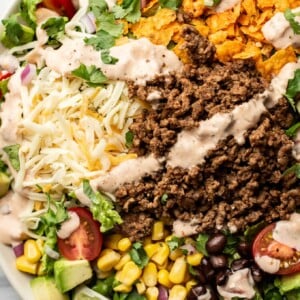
pixel 18 280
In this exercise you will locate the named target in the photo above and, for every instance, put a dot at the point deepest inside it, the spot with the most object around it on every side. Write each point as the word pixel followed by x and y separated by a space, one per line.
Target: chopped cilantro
pixel 55 28
pixel 293 169
pixel 164 198
pixel 129 139
pixel 291 18
pixel 107 58
pixel 12 152
pixel 102 40
pixel 175 243
pixel 211 3
pixel 129 9
pixel 292 131
pixel 201 240
pixel 139 255
pixel 92 75
pixel 107 22
pixel 293 88
pixel 172 4
pixel 98 7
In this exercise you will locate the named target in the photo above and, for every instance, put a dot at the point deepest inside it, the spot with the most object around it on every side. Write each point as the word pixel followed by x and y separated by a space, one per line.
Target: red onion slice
pixel 28 74
pixel 89 22
pixel 19 249
pixel 162 293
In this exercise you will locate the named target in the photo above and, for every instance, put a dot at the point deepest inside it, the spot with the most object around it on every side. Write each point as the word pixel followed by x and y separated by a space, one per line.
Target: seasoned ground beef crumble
pixel 238 185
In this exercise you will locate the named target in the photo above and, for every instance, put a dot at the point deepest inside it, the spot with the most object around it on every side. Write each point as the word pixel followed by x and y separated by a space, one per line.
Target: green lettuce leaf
pixel 172 4
pixel 12 152
pixel 292 131
pixel 201 240
pixel 102 208
pixel 28 9
pixel 291 18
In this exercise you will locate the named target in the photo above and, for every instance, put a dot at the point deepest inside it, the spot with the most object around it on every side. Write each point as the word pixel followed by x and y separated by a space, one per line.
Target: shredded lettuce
pixel 102 208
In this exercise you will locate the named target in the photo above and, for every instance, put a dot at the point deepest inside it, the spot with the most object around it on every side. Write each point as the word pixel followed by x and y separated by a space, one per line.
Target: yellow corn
pixel 163 278
pixel 158 231
pixel 129 273
pixel 189 285
pixel 194 259
pixel 178 270
pixel 38 205
pixel 112 241
pixel 108 259
pixel 124 244
pixel 22 264
pixel 164 265
pixel 175 254
pixel 147 241
pixel 124 259
pixel 123 288
pixel 40 244
pixel 150 274
pixel 103 274
pixel 151 249
pixel 177 292
pixel 32 251
pixel 152 293
pixel 162 254
pixel 140 287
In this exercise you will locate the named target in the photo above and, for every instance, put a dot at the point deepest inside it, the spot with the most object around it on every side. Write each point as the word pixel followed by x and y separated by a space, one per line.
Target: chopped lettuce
pixel 27 10
pixel 102 208
pixel 292 131
pixel 12 152
pixel 172 4
pixel 293 88
pixel 211 3
pixel 291 18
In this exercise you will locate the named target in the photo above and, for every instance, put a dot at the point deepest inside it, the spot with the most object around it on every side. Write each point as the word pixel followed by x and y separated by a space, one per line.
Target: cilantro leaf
pixel 253 230
pixel 129 139
pixel 28 9
pixel 175 243
pixel 292 131
pixel 139 255
pixel 293 88
pixel 107 22
pixel 164 198
pixel 12 152
pixel 291 18
pixel 129 9
pixel 98 7
pixel 92 75
pixel 172 4
pixel 101 208
pixel 107 58
pixel 16 34
pixel 55 28
pixel 211 3
pixel 102 40
pixel 201 240
pixel 293 169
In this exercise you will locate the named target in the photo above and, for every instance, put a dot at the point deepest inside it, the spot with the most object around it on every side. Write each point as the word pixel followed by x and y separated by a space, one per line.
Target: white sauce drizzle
pixel 226 5
pixel 69 226
pixel 268 264
pixel 182 228
pixel 278 31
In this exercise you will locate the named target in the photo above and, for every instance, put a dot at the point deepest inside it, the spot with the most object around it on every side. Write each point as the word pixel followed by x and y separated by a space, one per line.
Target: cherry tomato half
pixel 4 75
pixel 86 241
pixel 264 244
pixel 62 7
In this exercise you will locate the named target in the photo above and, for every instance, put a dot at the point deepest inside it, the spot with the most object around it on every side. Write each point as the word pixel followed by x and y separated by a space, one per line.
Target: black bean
pixel 216 243
pixel 201 276
pixel 207 268
pixel 239 264
pixel 222 277
pixel 195 292
pixel 218 261
pixel 257 273
pixel 244 249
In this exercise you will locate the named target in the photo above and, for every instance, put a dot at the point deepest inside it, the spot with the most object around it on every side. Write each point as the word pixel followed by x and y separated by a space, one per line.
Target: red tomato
pixel 4 75
pixel 62 7
pixel 264 244
pixel 86 241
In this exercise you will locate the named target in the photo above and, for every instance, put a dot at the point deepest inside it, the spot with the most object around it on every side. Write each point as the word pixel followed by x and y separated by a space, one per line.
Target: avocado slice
pixel 4 183
pixel 70 273
pixel 288 282
pixel 45 288
pixel 85 293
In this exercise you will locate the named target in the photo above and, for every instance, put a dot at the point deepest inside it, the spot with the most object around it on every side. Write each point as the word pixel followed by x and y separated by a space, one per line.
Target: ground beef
pixel 238 185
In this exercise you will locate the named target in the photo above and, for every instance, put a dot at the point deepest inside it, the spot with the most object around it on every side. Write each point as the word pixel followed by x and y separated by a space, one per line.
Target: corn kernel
pixel 129 273
pixel 162 254
pixel 38 205
pixel 147 241
pixel 124 244
pixel 163 278
pixel 123 288
pixel 175 254
pixel 124 259
pixel 32 251
pixel 164 265
pixel 112 241
pixel 151 249
pixel 152 293
pixel 158 231
pixel 23 265
pixel 178 271
pixel 150 274
pixel 103 274
pixel 140 287
pixel 194 259
pixel 40 244
pixel 108 259
pixel 177 292
pixel 190 284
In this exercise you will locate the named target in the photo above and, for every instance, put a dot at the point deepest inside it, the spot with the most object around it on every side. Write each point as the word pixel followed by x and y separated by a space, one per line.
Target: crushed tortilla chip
pixel 250 7
pixel 250 51
pixel 194 8
pixel 201 27
pixel 228 49
pixel 218 37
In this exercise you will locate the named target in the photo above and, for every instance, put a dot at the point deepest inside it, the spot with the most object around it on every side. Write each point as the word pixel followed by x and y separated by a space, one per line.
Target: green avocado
pixel 85 293
pixel 4 184
pixel 44 288
pixel 70 273
pixel 288 282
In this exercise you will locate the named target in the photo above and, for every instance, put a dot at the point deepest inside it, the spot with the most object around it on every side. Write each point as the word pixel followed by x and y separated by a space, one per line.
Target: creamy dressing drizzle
pixel 69 226
pixel 226 4
pixel 278 31
pixel 268 264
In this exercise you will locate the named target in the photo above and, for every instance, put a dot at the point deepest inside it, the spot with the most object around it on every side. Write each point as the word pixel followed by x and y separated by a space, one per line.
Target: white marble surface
pixel 6 290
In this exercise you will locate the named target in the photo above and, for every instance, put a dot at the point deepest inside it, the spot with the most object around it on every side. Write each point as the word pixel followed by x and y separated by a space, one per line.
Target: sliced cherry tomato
pixel 4 75
pixel 62 7
pixel 264 244
pixel 86 241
